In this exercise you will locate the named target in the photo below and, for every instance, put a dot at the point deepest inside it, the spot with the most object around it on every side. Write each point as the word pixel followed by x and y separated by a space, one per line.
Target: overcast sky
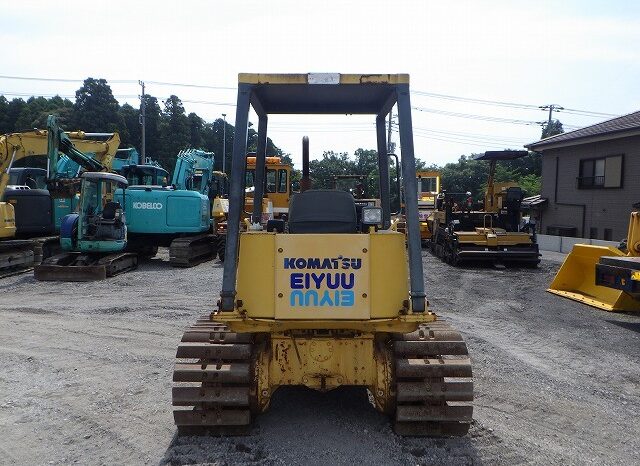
pixel 580 54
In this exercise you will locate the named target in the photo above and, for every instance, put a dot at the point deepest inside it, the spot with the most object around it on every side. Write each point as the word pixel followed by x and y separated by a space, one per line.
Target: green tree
pixel 6 125
pixel 131 119
pixel 13 112
pixel 174 131
pixel 96 109
pixel 153 120
pixel 330 164
pixel 552 129
pixel 196 129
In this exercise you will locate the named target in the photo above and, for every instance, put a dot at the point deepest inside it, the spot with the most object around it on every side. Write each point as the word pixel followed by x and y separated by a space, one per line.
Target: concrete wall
pixel 602 207
pixel 565 244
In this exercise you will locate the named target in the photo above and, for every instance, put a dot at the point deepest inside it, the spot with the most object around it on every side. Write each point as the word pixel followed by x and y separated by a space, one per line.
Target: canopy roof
pixel 501 155
pixel 323 93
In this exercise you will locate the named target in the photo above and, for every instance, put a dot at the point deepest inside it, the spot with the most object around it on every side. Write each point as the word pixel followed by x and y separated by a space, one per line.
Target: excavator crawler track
pixel 16 256
pixel 214 387
pixel 192 250
pixel 79 267
pixel 45 247
pixel 433 385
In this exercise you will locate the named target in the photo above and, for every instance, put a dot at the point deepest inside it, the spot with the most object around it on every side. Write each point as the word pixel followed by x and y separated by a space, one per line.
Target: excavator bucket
pixel 576 280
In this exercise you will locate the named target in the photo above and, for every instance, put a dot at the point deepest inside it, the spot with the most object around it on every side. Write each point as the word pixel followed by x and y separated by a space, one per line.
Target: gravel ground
pixel 86 377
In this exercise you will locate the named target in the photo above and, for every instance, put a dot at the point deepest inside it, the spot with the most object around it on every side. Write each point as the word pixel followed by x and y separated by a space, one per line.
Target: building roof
pixel 619 127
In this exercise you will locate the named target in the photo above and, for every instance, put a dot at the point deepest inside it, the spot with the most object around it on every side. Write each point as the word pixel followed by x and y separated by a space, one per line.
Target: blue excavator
pixel 101 241
pixel 177 216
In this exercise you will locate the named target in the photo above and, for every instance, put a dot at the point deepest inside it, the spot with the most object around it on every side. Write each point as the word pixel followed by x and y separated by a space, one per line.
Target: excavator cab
pixel 323 303
pixel 99 226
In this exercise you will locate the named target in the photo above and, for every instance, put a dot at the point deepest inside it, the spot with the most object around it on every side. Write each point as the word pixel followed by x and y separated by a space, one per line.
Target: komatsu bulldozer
pixel 604 277
pixel 330 299
pixel 492 234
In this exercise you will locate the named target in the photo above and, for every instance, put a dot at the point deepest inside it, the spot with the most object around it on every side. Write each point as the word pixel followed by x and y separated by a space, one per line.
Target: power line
pixel 63 80
pixel 415 92
pixel 477 117
pixel 507 104
pixel 477 101
pixel 197 86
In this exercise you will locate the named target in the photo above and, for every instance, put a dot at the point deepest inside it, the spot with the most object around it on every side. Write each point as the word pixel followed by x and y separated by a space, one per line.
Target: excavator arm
pixel 58 142
pixel 17 146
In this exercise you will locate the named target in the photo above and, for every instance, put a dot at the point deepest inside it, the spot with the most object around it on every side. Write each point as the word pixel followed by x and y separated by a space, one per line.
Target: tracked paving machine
pixel 332 298
pixel 492 234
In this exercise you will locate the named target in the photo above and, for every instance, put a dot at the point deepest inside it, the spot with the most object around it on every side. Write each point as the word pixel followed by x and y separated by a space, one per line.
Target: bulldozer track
pixel 214 388
pixel 433 383
pixel 192 250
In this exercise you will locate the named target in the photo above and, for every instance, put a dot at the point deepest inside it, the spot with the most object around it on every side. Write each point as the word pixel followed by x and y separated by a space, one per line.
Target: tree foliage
pixel 96 109
pixel 168 129
pixel 471 175
pixel 552 129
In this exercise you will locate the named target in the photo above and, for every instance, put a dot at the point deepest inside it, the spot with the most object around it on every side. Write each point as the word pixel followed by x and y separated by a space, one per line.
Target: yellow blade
pixel 576 280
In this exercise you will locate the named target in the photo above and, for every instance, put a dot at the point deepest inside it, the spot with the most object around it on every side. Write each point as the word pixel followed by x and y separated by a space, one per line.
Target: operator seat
pixel 322 211
pixel 109 211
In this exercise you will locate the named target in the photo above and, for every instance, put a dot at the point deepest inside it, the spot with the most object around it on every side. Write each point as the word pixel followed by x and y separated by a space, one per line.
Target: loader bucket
pixel 576 280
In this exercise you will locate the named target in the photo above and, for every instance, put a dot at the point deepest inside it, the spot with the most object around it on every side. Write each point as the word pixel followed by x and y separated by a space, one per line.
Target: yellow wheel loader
pixel 329 299
pixel 604 277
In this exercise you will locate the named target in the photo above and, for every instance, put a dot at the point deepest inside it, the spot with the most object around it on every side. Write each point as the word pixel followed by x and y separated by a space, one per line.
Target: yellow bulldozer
pixel 330 296
pixel 604 277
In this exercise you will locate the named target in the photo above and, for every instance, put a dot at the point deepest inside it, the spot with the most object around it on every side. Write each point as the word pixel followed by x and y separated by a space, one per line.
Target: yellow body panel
pixel 356 278
pixel 325 363
pixel 318 277
pixel 7 220
pixel 493 237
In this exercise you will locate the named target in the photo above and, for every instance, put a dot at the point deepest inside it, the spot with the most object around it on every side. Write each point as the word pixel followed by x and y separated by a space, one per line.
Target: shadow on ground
pixel 306 427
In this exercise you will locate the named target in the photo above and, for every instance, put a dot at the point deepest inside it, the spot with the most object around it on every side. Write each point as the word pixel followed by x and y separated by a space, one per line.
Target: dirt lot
pixel 86 378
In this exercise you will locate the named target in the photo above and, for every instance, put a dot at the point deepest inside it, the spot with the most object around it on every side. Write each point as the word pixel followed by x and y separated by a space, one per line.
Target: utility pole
pixel 551 108
pixel 143 108
pixel 224 143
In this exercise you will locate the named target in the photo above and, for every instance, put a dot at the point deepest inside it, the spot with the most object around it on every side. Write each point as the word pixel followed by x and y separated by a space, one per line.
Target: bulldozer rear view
pixel 333 298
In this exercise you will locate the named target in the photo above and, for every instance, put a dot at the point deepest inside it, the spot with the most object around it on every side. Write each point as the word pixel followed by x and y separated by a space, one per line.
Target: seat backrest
pixel 109 211
pixel 322 211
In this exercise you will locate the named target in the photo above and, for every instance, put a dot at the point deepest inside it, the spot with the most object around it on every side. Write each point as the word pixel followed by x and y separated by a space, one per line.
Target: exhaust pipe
pixel 305 182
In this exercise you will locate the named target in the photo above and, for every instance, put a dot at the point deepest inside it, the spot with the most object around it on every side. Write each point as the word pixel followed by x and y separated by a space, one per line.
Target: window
pixel 605 172
pixel 427 184
pixel 608 234
pixel 249 183
pixel 271 181
pixel 41 180
pixel 593 233
pixel 282 181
